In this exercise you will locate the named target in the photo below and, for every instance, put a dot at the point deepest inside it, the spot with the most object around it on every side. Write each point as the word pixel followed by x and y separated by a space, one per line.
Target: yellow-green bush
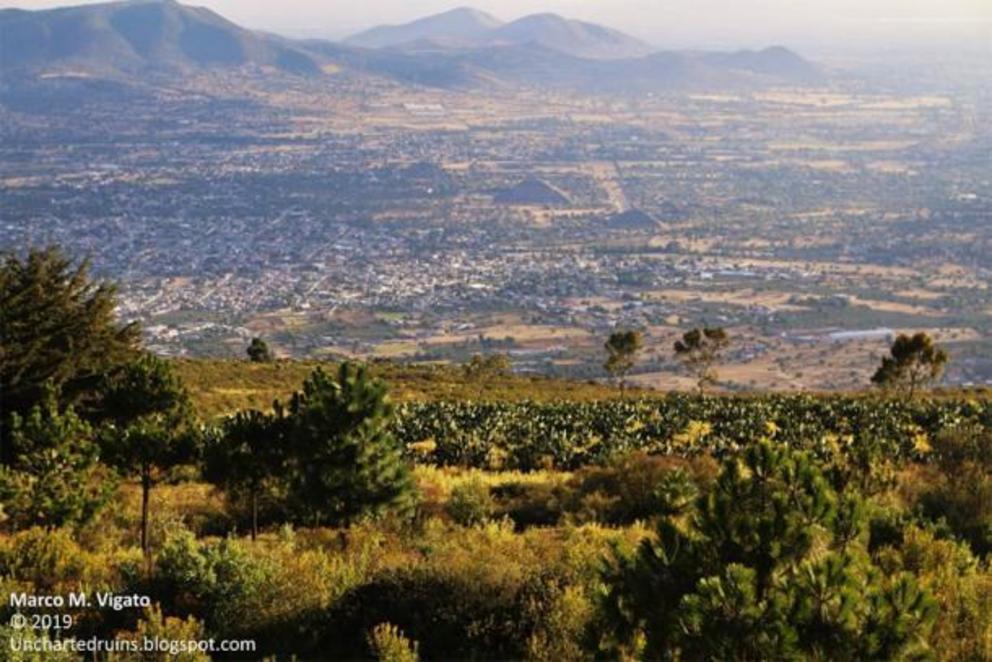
pixel 178 632
pixel 962 496
pixel 484 590
pixel 389 645
pixel 51 561
pixel 269 591
pixel 13 643
pixel 470 503
pixel 961 585
pixel 638 486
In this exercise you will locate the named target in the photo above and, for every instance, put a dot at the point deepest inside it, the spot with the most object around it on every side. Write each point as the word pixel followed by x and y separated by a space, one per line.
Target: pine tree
pixel 57 330
pixel 725 618
pixel 764 508
pixel 767 568
pixel 149 425
pixel 248 452
pixel 346 463
pixel 914 362
pixel 54 477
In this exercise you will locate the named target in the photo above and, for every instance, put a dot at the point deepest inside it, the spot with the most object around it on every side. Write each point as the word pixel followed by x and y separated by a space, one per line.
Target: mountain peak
pixel 132 36
pixel 471 28
pixel 578 38
pixel 546 16
pixel 470 12
pixel 459 24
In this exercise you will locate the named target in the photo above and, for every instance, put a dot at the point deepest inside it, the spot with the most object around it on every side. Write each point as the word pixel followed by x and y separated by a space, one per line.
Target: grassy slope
pixel 223 386
pixel 220 387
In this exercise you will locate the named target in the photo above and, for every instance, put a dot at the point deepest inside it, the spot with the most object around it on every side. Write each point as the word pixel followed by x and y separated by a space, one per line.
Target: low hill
pixel 534 65
pixel 776 61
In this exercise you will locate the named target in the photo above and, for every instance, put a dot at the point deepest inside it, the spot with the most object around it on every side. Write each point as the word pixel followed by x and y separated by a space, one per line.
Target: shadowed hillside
pixel 136 35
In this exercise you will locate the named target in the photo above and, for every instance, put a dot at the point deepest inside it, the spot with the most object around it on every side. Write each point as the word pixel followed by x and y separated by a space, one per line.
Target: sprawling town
pixel 376 220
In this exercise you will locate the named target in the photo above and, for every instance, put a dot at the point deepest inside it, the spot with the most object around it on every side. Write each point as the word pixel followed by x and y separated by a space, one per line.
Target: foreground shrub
pixel 960 585
pixel 532 504
pixel 638 486
pixel 459 617
pixel 178 632
pixel 14 641
pixel 470 503
pixel 962 497
pixel 270 593
pixel 389 645
pixel 770 566
pixel 52 562
pixel 486 592
pixel 451 616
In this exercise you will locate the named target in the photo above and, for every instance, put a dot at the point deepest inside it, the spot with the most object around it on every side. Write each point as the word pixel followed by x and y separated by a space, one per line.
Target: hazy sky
pixel 817 24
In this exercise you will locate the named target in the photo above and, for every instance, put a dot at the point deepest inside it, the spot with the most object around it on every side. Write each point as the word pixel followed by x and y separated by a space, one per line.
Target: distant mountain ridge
pixel 119 48
pixel 532 65
pixel 470 28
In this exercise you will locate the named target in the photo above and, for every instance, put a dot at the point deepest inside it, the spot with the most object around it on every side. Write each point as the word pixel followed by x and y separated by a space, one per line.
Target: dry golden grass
pixel 220 387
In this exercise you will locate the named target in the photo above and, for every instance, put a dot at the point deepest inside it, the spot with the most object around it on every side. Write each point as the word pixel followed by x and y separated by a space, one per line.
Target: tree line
pixel 914 362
